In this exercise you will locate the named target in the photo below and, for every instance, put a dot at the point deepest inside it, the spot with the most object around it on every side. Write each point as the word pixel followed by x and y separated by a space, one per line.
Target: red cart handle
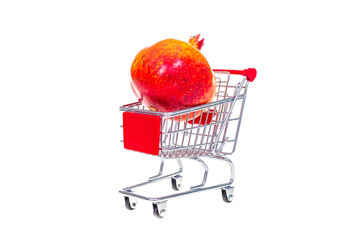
pixel 250 73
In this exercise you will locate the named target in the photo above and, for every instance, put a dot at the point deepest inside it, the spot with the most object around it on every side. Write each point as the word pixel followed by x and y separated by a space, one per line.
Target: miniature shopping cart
pixel 210 130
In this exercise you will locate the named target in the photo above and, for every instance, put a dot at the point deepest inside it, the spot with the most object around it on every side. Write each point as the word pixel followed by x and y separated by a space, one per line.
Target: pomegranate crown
pixel 198 44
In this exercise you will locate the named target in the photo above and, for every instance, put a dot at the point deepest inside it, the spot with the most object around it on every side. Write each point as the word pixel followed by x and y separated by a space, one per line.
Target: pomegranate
pixel 172 75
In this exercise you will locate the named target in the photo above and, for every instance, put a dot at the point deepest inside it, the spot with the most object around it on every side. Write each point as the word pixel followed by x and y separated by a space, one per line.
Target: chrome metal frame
pixel 190 140
pixel 128 191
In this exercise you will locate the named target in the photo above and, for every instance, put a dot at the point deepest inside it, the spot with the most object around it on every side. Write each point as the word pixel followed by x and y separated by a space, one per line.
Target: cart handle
pixel 250 73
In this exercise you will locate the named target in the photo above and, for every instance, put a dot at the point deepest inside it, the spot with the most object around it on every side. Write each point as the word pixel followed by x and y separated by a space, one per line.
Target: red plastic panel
pixel 141 132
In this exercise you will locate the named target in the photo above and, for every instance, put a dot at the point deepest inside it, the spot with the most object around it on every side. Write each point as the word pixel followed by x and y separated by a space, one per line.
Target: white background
pixel 65 70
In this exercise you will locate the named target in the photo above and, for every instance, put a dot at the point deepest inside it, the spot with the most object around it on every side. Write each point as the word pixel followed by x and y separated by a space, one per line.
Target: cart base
pixel 159 203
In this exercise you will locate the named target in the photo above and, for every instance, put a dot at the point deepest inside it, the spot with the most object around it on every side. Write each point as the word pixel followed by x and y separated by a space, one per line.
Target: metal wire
pixel 182 136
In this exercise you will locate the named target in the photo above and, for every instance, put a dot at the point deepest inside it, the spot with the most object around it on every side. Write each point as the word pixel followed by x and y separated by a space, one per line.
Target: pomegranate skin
pixel 172 75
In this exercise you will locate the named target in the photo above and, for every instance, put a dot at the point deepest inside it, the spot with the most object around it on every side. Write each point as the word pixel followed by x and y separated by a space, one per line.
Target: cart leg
pixel 205 173
pixel 176 181
pixel 228 191
pixel 231 165
pixel 159 209
pixel 160 170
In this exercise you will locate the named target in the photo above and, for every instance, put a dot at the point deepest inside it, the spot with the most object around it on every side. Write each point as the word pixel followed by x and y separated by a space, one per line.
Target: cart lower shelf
pixel 159 203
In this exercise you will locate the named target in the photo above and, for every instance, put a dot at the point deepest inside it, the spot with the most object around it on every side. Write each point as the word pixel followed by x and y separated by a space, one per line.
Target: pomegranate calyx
pixel 198 44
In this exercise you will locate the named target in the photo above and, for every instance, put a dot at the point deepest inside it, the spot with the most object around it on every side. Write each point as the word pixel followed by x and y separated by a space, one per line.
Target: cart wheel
pixel 159 209
pixel 130 203
pixel 227 194
pixel 176 182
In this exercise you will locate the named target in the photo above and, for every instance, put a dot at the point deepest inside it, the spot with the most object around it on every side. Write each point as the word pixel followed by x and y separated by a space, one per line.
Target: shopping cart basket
pixel 210 130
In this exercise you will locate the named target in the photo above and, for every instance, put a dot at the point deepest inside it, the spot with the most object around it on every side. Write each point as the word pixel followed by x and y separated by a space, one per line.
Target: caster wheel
pixel 159 209
pixel 130 203
pixel 227 194
pixel 176 182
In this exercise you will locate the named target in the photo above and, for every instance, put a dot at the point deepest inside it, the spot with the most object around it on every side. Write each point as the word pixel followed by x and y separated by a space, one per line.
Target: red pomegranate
pixel 172 75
